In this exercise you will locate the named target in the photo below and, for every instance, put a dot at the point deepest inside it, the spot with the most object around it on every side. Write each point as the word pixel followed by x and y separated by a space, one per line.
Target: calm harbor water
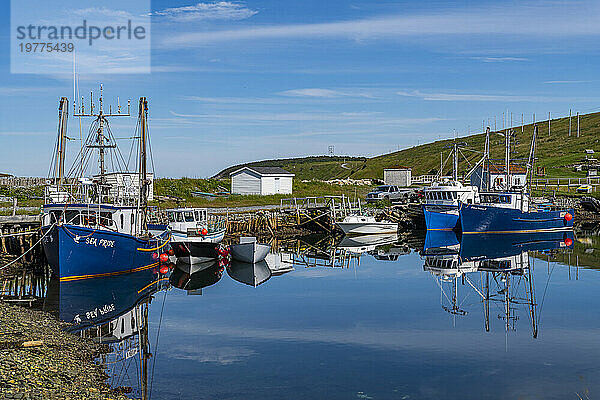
pixel 361 322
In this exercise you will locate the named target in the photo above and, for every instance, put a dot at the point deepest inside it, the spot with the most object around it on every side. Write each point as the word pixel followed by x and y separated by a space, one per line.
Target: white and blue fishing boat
pixel 510 210
pixel 98 225
pixel 442 198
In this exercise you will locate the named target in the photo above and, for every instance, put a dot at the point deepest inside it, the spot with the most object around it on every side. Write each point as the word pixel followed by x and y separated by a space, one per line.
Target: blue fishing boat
pixel 511 210
pixel 99 226
pixel 511 213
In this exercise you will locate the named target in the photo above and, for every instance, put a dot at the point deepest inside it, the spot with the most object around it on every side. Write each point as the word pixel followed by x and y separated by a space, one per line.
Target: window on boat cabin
pixel 171 216
pixel 89 217
pixel 132 219
pixel 490 198
pixel 55 216
pixel 72 217
pixel 189 216
pixel 178 217
pixel 122 220
pixel 106 218
pixel 197 215
pixel 504 199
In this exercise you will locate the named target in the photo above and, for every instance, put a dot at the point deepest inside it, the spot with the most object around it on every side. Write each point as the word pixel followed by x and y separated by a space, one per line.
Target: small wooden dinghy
pixel 249 251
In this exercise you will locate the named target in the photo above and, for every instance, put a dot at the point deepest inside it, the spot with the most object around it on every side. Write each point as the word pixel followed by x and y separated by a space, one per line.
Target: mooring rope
pixel 31 248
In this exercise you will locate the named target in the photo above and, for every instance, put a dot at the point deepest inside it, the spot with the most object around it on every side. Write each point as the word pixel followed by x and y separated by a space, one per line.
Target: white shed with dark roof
pixel 261 180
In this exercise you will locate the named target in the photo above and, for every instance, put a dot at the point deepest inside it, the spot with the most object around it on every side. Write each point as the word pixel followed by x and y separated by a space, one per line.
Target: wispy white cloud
pixel 547 21
pixel 97 12
pixel 482 97
pixel 325 93
pixel 564 82
pixel 500 59
pixel 220 10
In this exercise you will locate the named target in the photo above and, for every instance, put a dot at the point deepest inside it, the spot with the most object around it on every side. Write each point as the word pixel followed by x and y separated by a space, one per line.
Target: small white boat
pixel 195 234
pixel 249 251
pixel 363 225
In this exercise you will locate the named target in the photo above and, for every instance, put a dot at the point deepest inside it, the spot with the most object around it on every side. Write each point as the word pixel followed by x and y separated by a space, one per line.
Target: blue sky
pixel 242 81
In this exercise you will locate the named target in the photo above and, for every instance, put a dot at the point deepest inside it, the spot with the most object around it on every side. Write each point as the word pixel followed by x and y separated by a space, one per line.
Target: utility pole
pixel 548 123
pixel 577 124
pixel 569 122
pixel 522 122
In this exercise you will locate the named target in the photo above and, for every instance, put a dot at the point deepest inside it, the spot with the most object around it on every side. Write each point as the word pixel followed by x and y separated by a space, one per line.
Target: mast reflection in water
pixel 112 310
pixel 498 268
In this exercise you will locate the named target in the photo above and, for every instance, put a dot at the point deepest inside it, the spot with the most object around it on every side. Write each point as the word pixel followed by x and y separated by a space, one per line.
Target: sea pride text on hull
pixel 97 224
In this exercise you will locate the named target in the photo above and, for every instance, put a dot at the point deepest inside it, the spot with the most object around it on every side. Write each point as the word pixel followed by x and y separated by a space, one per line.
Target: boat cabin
pixel 450 193
pixel 191 220
pixel 100 217
pixel 517 201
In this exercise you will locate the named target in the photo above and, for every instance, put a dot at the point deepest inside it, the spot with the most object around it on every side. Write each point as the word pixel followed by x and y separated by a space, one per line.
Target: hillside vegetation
pixel 556 152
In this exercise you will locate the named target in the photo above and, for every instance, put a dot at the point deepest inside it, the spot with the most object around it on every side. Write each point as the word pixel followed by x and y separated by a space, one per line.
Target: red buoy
pixel 164 257
pixel 568 242
pixel 568 217
pixel 154 256
pixel 171 252
pixel 204 231
pixel 164 269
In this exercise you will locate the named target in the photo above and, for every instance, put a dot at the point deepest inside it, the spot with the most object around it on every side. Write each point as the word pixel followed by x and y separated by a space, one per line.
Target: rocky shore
pixel 39 360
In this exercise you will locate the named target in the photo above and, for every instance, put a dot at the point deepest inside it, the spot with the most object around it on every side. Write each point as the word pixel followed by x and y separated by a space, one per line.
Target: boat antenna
pixel 531 159
pixel 101 117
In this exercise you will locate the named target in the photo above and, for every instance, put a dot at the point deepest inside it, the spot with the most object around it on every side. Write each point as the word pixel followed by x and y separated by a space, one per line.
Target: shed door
pixel 277 185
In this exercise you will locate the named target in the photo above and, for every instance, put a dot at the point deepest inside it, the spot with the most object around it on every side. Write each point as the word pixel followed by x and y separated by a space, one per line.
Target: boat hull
pixel 249 252
pixel 489 219
pixel 358 228
pixel 76 252
pixel 441 218
pixel 193 252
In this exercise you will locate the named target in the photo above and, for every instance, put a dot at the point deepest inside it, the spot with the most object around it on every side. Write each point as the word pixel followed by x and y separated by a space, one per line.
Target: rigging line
pixel 544 295
pixel 149 146
pixel 156 345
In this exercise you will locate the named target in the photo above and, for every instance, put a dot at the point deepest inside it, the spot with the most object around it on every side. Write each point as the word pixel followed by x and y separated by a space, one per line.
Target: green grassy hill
pixel 315 167
pixel 556 152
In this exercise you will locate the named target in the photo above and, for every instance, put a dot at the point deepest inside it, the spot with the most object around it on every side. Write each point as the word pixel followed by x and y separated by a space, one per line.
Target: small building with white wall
pixel 397 176
pixel 261 180
pixel 493 177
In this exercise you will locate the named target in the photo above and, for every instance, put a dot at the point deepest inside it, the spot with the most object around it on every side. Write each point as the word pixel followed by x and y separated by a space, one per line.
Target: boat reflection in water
pixel 498 268
pixel 112 310
pixel 194 277
pixel 252 274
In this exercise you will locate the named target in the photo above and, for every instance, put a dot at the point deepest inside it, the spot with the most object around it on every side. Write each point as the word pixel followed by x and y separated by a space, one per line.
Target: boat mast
pixel 143 167
pixel 507 135
pixel 63 114
pixel 486 160
pixel 531 159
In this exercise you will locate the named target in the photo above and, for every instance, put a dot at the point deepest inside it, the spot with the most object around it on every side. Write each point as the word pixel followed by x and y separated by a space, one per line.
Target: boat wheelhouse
pixel 196 224
pixel 441 203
